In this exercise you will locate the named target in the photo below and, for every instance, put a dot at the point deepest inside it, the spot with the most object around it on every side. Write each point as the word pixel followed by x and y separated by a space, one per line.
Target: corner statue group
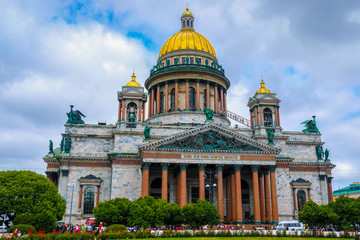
pixel 310 126
pixel 74 117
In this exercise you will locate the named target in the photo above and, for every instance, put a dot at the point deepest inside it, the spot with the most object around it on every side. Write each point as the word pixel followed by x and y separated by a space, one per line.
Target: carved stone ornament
pixel 210 140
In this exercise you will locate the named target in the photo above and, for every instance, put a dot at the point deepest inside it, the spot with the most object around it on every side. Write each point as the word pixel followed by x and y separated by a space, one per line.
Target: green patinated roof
pixel 57 151
pixel 353 188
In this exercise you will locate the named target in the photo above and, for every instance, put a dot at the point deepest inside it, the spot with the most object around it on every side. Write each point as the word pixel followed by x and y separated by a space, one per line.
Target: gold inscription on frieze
pixel 187 156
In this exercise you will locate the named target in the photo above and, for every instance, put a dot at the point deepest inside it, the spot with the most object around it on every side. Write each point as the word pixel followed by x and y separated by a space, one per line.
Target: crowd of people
pixel 71 228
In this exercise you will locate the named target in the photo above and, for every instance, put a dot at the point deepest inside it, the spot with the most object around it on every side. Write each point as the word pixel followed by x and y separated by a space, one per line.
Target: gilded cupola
pixel 187 38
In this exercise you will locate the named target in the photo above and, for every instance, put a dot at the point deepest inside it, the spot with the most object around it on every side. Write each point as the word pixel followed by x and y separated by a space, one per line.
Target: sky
pixel 57 53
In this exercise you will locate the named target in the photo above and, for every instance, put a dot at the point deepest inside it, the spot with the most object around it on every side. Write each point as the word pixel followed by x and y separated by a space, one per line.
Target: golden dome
pixel 263 89
pixel 187 12
pixel 133 83
pixel 187 39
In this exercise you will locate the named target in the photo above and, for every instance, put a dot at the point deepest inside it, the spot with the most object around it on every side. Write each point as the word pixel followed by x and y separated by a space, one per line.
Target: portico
pixel 244 176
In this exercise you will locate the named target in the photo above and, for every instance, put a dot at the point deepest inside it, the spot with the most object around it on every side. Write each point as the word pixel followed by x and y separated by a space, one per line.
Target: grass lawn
pixel 252 238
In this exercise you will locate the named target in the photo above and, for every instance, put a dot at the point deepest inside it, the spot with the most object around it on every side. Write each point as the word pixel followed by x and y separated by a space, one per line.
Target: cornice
pixel 304 143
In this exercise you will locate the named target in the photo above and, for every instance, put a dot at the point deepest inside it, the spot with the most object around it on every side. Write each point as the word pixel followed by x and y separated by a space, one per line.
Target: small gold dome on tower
pixel 133 82
pixel 187 12
pixel 263 89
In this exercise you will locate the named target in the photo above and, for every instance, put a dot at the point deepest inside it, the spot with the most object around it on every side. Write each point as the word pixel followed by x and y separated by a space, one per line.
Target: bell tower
pixel 132 101
pixel 264 111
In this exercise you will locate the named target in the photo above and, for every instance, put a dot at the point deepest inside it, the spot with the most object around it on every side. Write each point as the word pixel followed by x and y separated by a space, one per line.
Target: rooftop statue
pixel 327 152
pixel 147 132
pixel 209 114
pixel 310 126
pixel 74 117
pixel 51 148
pixel 319 152
pixel 270 133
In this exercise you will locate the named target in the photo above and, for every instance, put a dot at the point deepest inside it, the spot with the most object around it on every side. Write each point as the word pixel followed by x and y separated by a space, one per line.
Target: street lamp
pixel 72 197
pixel 210 186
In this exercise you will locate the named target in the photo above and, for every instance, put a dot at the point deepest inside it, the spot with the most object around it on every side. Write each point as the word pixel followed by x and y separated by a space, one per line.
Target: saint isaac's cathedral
pixel 183 148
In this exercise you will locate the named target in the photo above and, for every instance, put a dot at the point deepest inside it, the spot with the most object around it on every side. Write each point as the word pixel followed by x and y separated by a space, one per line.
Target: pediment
pixel 263 97
pixel 132 91
pixel 209 138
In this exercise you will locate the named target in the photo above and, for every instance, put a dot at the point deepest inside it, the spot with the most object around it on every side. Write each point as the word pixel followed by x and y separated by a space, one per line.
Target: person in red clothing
pixel 100 227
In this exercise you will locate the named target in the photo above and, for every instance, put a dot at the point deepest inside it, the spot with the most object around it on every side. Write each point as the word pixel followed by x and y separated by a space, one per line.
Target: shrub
pixel 116 228
pixel 22 227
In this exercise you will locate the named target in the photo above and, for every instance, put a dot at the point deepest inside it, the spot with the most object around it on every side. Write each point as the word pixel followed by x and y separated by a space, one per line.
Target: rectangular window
pixel 191 60
pixel 183 60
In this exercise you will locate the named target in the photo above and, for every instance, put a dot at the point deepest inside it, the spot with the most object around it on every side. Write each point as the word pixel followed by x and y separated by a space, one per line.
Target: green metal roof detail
pixel 353 188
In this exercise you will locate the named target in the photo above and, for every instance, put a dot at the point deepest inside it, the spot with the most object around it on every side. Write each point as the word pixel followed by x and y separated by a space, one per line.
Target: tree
pixel 200 213
pixel 315 215
pixel 172 214
pixel 146 212
pixel 30 198
pixel 114 211
pixel 348 210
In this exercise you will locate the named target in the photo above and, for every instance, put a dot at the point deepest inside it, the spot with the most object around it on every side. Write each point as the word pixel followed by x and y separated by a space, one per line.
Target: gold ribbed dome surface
pixel 133 82
pixel 263 89
pixel 187 39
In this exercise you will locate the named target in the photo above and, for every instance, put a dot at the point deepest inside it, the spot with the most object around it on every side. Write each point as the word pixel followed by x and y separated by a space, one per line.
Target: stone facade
pixel 262 173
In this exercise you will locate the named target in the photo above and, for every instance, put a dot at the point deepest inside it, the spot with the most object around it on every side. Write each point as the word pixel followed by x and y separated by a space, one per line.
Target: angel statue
pixel 209 114
pixel 310 126
pixel 74 117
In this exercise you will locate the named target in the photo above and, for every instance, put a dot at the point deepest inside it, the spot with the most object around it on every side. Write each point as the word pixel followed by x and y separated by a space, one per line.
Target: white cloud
pixel 47 64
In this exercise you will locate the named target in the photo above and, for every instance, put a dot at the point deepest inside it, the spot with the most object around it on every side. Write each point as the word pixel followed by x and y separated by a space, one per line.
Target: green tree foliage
pixel 200 213
pixel 22 228
pixel 114 211
pixel 29 198
pixel 348 210
pixel 146 212
pixel 315 215
pixel 172 214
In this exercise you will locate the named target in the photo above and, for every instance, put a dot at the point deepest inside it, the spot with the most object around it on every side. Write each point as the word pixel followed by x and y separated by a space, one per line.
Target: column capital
pixel 165 166
pixel 272 168
pixel 187 80
pixel 322 177
pixel 219 167
pixel 197 80
pixel 176 80
pixel 308 189
pixel 255 168
pixel 145 165
pixel 183 166
pixel 329 179
pixel 237 167
pixel 202 166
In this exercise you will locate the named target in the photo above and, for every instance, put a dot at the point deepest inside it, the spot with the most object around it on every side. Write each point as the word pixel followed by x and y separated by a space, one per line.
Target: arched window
pixel 131 112
pixel 89 200
pixel 188 23
pixel 183 23
pixel 301 199
pixel 268 117
pixel 162 96
pixel 155 188
pixel 173 99
pixel 192 99
pixel 204 99
pixel 191 23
